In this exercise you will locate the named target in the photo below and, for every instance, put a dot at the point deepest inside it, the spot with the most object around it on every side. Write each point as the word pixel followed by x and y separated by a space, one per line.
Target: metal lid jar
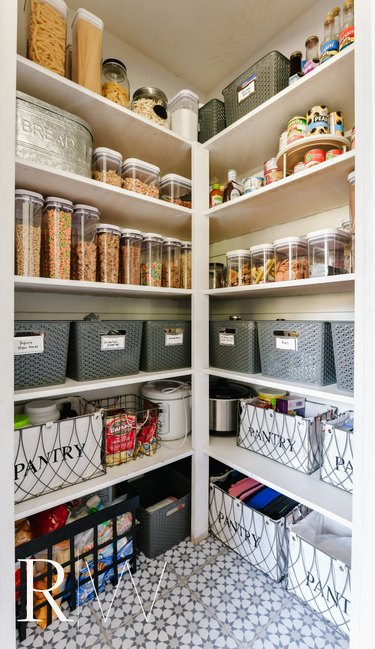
pixel 328 252
pixel 151 259
pixel 262 263
pixel 106 166
pixel 56 237
pixel 108 242
pixel 28 217
pixel 85 219
pixel 185 264
pixel 291 259
pixel 115 83
pixel 238 268
pixel 130 256
pixel 152 104
pixel 171 262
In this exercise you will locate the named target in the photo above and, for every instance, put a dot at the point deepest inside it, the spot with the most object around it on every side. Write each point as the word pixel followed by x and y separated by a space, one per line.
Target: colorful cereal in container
pixel 108 250
pixel 85 220
pixel 151 259
pixel 56 237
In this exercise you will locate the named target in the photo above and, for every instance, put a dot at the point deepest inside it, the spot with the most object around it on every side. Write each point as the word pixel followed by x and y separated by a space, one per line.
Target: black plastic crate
pixel 166 345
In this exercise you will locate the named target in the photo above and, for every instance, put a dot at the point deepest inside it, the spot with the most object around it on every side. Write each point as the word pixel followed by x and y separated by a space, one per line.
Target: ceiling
pixel 201 41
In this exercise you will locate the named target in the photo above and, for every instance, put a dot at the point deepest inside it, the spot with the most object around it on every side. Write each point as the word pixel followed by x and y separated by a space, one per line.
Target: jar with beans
pixel 85 219
pixel 28 213
pixel 291 259
pixel 151 259
pixel 185 264
pixel 238 268
pixel 140 177
pixel 108 250
pixel 130 256
pixel 262 263
pixel 171 263
pixel 56 237
pixel 106 166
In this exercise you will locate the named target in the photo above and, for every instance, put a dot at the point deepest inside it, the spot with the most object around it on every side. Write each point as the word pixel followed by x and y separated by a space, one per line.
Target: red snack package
pixel 49 520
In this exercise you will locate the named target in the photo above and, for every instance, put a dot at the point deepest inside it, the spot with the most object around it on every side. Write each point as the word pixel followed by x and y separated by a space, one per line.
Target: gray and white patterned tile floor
pixel 208 598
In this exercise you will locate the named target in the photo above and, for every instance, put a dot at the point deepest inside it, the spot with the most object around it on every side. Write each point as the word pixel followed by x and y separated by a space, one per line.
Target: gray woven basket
pixel 87 361
pixel 343 348
pixel 211 119
pixel 162 349
pixel 163 528
pixel 234 346
pixel 48 367
pixel 311 362
pixel 271 76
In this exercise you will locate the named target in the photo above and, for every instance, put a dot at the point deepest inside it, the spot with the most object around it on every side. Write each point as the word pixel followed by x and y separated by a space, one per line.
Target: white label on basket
pixel 31 344
pixel 164 419
pixel 246 88
pixel 286 343
pixel 111 342
pixel 226 339
pixel 173 339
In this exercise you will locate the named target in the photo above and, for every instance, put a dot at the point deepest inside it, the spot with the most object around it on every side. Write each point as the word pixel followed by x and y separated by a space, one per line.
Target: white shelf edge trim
pixel 292 285
pixel 74 286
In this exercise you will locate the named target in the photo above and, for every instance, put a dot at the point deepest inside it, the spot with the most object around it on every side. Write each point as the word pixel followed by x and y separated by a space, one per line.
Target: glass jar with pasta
pixel 152 104
pixel 46 41
pixel 115 84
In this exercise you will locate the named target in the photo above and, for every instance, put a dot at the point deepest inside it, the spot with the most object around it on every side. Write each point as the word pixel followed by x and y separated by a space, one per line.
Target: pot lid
pixel 227 390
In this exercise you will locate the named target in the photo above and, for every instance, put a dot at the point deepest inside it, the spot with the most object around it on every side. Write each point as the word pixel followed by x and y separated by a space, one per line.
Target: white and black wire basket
pixel 337 452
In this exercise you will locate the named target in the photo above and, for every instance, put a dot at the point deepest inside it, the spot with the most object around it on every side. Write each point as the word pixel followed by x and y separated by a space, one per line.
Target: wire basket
pixel 130 424
pixel 337 452
pixel 234 346
pixel 211 119
pixel 343 348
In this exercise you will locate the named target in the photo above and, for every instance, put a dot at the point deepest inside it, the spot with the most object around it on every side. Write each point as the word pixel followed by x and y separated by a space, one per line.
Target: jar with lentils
pixel 151 259
pixel 108 250
pixel 56 237
pixel 28 214
pixel 85 219
pixel 171 262
pixel 130 256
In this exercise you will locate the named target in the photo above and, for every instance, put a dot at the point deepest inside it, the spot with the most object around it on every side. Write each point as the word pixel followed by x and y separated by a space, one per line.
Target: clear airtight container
pixel 140 177
pixel 262 263
pixel 171 263
pixel 115 84
pixel 46 41
pixel 175 189
pixel 108 250
pixel 327 250
pixel 216 275
pixel 183 111
pixel 130 256
pixel 151 259
pixel 56 237
pixel 87 40
pixel 28 228
pixel 185 264
pixel 291 257
pixel 106 166
pixel 351 181
pixel 238 268
pixel 152 104
pixel 85 219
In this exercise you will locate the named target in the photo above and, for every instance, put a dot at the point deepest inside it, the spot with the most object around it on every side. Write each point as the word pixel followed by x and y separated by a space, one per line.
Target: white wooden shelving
pixel 310 286
pixel 308 489
pixel 166 454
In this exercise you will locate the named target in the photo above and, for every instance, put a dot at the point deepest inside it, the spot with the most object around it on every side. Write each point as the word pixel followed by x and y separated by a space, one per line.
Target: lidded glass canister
pixel 238 268
pixel 130 256
pixel 151 259
pixel 171 262
pixel 115 83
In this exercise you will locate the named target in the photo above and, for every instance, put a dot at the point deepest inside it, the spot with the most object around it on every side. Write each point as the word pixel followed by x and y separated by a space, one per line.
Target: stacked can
pixel 297 128
pixel 272 173
pixel 317 121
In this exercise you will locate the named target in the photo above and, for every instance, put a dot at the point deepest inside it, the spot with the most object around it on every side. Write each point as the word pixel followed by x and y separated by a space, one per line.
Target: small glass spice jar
pixel 262 263
pixel 185 264
pixel 291 259
pixel 238 268
pixel 115 83
pixel 85 219
pixel 171 262
pixel 151 259
pixel 312 54
pixel 130 256
pixel 216 275
pixel 108 250
pixel 28 228
pixel 106 166
pixel 56 237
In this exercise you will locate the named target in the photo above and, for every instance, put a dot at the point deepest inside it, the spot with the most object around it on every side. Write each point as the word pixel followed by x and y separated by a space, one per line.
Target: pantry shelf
pixel 114 127
pixel 72 287
pixel 307 489
pixel 310 286
pixel 320 188
pixel 254 138
pixel 80 387
pixel 328 393
pixel 116 205
pixel 166 454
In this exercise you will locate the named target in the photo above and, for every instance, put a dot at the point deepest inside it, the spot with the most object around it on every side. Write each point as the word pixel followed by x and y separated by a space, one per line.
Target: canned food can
pixel 273 176
pixel 317 121
pixel 352 137
pixel 300 166
pixel 283 140
pixel 269 165
pixel 297 128
pixel 336 123
pixel 252 184
pixel 333 153
pixel 314 157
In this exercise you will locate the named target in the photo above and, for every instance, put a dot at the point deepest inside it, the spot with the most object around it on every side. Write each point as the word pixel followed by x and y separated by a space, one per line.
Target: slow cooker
pixel 224 406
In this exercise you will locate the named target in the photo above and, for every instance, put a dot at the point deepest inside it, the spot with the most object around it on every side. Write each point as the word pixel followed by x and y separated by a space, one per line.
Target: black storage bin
pixel 166 345
pixel 163 528
pixel 95 354
pixel 234 345
pixel 260 82
pixel 211 118
pixel 40 352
